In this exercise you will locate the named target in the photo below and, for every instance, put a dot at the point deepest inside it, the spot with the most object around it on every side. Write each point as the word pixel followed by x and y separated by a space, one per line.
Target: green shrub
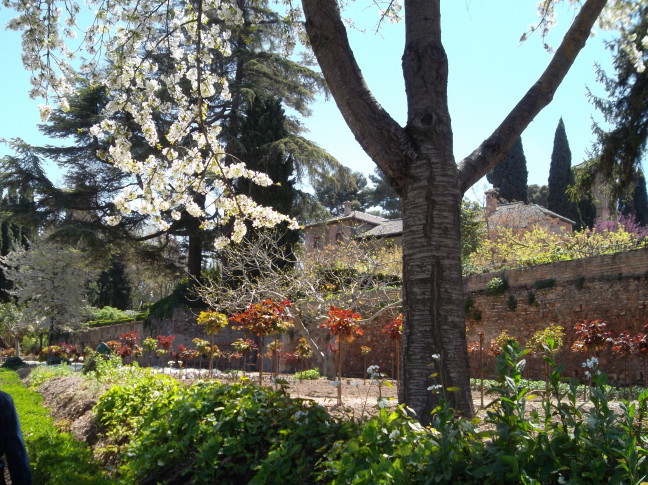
pixel 545 283
pixel 308 375
pixel 496 286
pixel 12 363
pixel 108 313
pixel 107 323
pixel 214 433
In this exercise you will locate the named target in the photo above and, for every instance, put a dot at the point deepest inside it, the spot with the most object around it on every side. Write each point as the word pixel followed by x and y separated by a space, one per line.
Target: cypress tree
pixel 510 176
pixel 561 176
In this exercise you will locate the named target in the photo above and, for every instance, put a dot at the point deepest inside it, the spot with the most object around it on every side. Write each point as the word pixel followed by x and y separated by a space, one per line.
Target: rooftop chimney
pixel 347 208
pixel 491 201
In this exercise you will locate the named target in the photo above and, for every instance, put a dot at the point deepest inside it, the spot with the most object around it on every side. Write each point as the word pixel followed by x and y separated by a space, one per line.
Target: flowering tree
pixel 263 319
pixel 214 322
pixel 342 324
pixel 49 281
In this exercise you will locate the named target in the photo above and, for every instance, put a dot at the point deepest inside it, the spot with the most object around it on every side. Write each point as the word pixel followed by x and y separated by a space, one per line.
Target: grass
pixel 56 458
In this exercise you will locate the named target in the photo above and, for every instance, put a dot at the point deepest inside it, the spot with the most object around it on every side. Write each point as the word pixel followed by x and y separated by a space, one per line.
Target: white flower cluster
pixel 591 363
pixel 373 371
pixel 185 168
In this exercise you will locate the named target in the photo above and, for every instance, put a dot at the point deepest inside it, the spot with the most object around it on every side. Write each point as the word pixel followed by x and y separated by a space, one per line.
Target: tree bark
pixel 419 164
pixel 433 291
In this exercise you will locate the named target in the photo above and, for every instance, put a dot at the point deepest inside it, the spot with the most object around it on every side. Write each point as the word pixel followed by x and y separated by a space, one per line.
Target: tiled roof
pixel 360 216
pixel 386 229
pixel 524 214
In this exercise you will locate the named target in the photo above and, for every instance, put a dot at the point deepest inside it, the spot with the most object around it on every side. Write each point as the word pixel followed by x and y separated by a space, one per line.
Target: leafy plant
pixel 12 363
pixel 262 319
pixel 496 286
pixel 213 433
pixel 308 375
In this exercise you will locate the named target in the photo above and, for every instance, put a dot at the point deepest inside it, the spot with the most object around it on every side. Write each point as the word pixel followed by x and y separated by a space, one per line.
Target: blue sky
pixel 489 71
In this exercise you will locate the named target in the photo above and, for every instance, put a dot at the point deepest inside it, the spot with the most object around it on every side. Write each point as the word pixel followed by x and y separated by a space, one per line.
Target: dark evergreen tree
pixel 13 234
pixel 619 151
pixel 537 194
pixel 637 205
pixel 561 177
pixel 586 211
pixel 263 130
pixel 510 176
pixel 113 287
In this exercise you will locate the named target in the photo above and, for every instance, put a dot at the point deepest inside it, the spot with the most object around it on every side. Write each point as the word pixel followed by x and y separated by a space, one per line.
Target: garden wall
pixel 612 288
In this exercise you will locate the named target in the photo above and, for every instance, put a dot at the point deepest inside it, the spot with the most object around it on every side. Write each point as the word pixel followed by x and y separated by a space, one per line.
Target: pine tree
pixel 383 195
pixel 537 194
pixel 561 176
pixel 332 190
pixel 510 176
pixel 263 131
pixel 637 205
pixel 619 151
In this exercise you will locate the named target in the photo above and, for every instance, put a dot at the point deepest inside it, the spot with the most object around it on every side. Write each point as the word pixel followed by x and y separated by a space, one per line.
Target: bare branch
pixel 495 147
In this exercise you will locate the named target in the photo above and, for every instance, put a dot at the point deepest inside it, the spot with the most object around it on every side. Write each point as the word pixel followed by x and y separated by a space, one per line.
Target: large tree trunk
pixel 433 291
pixel 418 162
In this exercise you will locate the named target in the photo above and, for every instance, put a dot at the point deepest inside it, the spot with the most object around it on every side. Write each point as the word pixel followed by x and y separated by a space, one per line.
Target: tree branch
pixel 495 147
pixel 377 132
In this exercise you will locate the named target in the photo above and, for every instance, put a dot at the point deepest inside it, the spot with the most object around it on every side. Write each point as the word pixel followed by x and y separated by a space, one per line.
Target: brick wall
pixel 612 288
